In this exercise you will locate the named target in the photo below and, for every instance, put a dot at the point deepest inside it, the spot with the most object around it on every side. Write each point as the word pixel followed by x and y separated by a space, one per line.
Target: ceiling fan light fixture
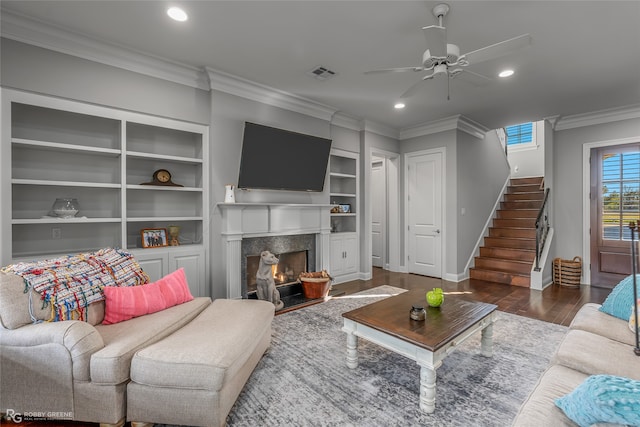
pixel 399 105
pixel 177 14
pixel 506 73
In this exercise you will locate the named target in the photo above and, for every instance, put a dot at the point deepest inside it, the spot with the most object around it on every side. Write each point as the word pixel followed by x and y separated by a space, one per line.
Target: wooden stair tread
pixel 508 252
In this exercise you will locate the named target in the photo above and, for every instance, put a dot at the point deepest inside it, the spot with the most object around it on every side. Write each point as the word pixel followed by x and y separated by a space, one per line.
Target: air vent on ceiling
pixel 321 73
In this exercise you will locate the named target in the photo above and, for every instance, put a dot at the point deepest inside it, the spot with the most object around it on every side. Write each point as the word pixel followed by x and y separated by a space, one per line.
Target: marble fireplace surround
pixel 250 220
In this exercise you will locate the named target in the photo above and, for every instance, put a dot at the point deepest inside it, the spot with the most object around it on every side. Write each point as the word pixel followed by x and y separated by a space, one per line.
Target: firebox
pixel 285 272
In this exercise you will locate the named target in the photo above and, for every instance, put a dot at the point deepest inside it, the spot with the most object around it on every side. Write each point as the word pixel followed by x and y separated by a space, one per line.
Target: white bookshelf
pixel 55 148
pixel 344 190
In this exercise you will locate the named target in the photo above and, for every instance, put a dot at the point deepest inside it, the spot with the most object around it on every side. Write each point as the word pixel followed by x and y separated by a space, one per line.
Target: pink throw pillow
pixel 127 302
pixel 174 288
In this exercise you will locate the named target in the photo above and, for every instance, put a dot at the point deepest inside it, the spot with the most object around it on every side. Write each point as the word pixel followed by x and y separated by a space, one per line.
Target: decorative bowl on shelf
pixel 65 208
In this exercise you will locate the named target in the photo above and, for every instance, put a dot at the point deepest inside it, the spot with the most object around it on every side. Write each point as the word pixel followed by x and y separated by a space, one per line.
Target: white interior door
pixel 378 212
pixel 424 176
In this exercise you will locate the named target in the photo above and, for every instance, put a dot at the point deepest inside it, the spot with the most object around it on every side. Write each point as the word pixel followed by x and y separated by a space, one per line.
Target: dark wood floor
pixel 554 304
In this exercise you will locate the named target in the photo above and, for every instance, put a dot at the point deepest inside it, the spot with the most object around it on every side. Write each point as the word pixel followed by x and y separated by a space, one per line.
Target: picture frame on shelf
pixel 154 237
pixel 345 208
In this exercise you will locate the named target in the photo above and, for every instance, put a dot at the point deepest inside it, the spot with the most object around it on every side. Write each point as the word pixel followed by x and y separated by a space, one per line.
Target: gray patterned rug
pixel 303 380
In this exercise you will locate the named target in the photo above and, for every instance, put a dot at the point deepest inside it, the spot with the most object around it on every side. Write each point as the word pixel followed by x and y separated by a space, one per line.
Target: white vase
pixel 229 193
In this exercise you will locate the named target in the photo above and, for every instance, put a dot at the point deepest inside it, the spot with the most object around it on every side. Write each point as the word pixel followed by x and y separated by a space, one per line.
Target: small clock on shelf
pixel 162 177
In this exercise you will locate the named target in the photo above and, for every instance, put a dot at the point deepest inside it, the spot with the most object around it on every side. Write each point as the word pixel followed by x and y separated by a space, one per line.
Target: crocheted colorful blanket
pixel 70 283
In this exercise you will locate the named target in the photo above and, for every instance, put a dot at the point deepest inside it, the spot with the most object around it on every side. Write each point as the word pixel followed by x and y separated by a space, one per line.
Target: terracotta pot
pixel 314 288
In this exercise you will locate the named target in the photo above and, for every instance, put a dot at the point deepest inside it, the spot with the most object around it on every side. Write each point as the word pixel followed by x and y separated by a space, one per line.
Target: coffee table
pixel 387 323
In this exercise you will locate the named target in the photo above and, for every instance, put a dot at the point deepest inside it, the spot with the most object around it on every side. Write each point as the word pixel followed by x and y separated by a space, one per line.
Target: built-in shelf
pixel 342 175
pixel 64 183
pixel 164 218
pixel 56 148
pixel 64 220
pixel 343 190
pixel 161 188
pixel 191 160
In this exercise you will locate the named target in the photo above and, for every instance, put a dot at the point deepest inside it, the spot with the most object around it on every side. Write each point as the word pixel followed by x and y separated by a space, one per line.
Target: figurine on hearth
pixel 266 287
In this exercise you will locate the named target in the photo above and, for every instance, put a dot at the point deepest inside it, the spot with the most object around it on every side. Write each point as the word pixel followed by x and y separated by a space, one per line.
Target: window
pixel 520 134
pixel 620 196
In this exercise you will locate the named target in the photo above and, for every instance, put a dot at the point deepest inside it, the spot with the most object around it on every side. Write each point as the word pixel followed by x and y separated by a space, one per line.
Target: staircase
pixel 509 250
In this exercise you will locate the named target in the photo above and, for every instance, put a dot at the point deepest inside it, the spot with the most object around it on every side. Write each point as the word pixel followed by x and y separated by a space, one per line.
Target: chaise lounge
pixel 81 370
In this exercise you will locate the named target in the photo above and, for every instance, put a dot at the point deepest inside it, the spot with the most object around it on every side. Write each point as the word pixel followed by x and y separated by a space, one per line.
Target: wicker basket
pixel 567 272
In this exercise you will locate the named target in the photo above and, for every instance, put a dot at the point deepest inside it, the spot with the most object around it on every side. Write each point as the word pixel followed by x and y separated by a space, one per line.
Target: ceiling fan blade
pixel 414 88
pixel 395 70
pixel 470 77
pixel 436 40
pixel 497 50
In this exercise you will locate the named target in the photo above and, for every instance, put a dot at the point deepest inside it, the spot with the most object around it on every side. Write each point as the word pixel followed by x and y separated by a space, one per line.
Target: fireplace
pixel 289 267
pixel 244 225
pixel 297 253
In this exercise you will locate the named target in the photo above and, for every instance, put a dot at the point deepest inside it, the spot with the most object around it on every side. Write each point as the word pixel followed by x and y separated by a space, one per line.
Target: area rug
pixel 303 379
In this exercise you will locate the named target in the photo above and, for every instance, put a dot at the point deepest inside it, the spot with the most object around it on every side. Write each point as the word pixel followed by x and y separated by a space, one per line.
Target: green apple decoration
pixel 435 297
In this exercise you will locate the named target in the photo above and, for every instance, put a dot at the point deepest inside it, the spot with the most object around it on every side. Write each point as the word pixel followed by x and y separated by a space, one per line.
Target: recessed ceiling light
pixel 506 73
pixel 399 106
pixel 177 14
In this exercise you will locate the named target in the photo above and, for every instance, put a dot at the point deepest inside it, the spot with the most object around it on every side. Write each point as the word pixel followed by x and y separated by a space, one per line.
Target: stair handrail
pixel 542 228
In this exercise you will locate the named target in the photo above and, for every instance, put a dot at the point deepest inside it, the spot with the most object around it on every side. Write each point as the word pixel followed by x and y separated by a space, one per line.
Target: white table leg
pixel 352 350
pixel 427 389
pixel 487 340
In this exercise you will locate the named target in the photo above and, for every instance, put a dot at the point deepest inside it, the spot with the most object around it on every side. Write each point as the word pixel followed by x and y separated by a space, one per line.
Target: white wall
pixel 529 162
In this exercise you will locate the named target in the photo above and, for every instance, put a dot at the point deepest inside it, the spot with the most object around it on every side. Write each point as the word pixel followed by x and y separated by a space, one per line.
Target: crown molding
pixel 457 122
pixel 598 117
pixel 27 30
pixel 346 121
pixel 380 129
pixel 234 85
pixel 472 127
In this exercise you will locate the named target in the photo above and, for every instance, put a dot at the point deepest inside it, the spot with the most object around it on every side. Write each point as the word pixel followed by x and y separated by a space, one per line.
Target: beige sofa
pixel 80 370
pixel 596 343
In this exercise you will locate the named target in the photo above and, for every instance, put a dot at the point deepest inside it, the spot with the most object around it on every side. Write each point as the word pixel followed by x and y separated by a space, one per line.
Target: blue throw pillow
pixel 620 300
pixel 603 399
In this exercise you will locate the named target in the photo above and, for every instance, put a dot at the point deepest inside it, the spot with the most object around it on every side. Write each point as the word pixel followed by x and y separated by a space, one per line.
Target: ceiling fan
pixel 442 58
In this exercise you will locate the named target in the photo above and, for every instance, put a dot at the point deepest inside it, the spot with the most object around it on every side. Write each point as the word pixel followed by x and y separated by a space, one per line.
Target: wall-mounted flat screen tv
pixel 277 159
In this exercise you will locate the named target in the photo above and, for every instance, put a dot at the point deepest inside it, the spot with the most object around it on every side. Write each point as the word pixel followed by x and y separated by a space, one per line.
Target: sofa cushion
pixel 208 351
pixel 589 318
pixel 594 354
pixel 14 304
pixel 111 365
pixel 620 300
pixel 603 398
pixel 539 408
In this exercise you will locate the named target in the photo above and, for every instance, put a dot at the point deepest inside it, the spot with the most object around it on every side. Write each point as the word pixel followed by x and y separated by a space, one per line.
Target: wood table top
pixel 442 324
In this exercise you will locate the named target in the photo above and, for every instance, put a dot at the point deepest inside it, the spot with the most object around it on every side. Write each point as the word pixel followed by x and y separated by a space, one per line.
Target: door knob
pixel 437 230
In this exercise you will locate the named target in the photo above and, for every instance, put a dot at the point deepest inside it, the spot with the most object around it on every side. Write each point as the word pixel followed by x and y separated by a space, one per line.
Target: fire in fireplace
pixel 285 272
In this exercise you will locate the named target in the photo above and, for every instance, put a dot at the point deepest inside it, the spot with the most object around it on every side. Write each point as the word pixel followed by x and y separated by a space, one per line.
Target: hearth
pixel 296 253
pixel 286 272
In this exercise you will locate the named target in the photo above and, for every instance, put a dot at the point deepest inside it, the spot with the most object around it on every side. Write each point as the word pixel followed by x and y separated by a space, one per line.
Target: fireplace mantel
pixel 248 220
